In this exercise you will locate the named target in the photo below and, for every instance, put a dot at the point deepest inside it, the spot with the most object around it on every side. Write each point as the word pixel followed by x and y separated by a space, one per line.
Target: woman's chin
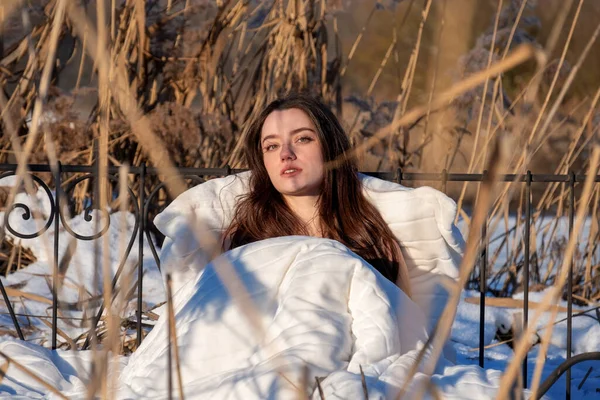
pixel 299 192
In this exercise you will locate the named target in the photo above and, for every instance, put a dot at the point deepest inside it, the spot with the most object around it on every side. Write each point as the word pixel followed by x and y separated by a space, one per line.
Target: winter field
pixel 69 370
pixel 427 86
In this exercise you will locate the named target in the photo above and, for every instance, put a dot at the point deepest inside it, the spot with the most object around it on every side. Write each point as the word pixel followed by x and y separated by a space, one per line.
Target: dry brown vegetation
pixel 172 82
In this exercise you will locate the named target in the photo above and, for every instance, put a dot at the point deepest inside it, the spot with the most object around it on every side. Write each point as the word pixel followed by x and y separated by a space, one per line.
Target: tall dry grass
pixel 173 82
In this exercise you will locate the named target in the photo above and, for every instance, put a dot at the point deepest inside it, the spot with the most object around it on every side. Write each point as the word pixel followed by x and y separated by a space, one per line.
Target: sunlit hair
pixel 345 214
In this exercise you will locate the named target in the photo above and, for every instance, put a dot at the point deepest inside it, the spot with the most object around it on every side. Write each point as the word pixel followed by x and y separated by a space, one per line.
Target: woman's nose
pixel 287 153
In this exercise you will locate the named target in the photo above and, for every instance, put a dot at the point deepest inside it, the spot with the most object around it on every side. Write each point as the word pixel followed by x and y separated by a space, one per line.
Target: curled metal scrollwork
pixel 89 209
pixel 27 213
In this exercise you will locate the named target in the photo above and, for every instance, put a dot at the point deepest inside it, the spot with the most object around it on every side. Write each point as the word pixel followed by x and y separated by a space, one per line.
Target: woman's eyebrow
pixel 298 130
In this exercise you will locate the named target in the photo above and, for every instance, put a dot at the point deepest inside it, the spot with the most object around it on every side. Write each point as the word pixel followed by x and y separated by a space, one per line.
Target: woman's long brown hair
pixel 345 214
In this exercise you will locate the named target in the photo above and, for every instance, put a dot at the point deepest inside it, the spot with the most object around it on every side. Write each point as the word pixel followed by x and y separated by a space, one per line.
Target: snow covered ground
pixel 81 282
pixel 586 327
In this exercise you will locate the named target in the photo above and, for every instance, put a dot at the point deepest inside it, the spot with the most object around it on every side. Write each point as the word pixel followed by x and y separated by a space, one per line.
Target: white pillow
pixel 422 220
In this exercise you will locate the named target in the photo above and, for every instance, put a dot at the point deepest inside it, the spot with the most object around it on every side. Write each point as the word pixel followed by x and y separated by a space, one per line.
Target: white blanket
pixel 318 306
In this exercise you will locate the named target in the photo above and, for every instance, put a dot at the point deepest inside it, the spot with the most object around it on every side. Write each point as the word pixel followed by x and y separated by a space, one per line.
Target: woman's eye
pixel 305 139
pixel 270 147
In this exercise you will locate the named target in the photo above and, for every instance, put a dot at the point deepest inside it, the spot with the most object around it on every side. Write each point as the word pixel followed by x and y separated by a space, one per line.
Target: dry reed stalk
pixel 140 16
pixel 591 244
pixel 382 65
pixel 81 62
pixel 540 360
pixel 33 376
pixel 503 201
pixel 415 56
pixel 505 219
pixel 43 316
pixel 555 78
pixel 518 56
pixel 552 40
pixel 3 370
pixel 62 334
pixel 113 20
pixel 363 382
pixel 484 202
pixel 303 389
pixel 558 126
pixel 408 79
pixel 12 292
pixel 11 258
pixel 532 88
pixel 319 388
pixel 507 302
pixel 173 336
pixel 1 32
pixel 492 345
pixel 102 358
pixel 525 156
pixel 59 268
pixel 113 318
pixel 483 103
pixel 434 78
pixel 392 155
pixel 544 348
pixel 513 29
pixel 586 141
pixel 549 48
pixel 495 107
pixel 357 41
pixel 551 297
pixel 433 391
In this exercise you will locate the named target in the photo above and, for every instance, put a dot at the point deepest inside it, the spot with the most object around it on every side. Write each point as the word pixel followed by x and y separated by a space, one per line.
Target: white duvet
pixel 320 307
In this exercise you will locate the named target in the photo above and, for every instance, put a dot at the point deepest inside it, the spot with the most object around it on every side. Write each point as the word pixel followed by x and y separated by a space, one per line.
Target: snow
pixel 70 370
pixel 586 338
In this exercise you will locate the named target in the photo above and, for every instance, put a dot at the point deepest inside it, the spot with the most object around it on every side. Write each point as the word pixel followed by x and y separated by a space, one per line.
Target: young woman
pixel 293 192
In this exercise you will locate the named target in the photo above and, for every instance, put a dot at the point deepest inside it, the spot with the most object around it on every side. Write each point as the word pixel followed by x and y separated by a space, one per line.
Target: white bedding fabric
pixel 422 220
pixel 319 306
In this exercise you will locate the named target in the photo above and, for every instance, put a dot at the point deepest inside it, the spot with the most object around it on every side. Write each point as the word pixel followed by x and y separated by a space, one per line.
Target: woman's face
pixel 292 153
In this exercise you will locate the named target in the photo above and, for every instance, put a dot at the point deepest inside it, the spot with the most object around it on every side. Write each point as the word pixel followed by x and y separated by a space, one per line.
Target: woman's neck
pixel 306 208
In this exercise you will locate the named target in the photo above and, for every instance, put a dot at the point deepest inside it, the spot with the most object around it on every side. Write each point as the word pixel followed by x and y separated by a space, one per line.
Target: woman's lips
pixel 290 174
